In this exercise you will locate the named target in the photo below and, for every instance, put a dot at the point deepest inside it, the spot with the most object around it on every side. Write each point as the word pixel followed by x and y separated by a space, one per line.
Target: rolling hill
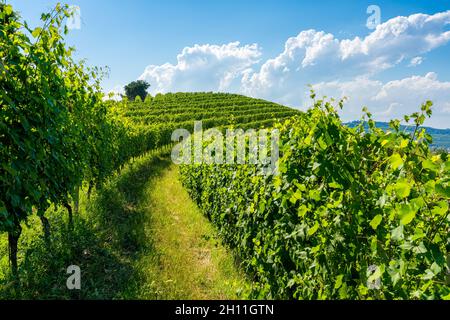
pixel 214 109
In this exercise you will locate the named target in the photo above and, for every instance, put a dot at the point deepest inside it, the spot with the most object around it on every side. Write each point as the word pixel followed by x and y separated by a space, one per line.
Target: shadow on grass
pixel 107 237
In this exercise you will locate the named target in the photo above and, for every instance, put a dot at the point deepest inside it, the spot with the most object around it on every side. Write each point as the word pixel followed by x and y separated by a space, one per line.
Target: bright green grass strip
pixel 185 260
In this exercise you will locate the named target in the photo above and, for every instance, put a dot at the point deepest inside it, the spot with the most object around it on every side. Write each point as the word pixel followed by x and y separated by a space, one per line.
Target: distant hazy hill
pixel 441 137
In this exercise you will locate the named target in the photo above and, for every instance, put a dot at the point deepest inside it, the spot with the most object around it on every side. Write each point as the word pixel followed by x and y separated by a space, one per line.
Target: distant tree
pixel 137 88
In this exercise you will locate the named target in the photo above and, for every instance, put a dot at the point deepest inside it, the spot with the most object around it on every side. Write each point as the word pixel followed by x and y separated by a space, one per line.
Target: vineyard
pixel 354 213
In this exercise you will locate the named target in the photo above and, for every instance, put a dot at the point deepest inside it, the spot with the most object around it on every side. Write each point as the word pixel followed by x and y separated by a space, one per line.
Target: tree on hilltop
pixel 137 88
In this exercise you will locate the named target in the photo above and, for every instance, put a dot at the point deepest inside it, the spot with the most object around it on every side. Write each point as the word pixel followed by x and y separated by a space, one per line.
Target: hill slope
pixel 214 109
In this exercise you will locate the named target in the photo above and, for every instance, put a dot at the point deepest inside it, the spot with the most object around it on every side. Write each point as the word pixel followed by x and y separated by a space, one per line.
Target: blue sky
pixel 155 40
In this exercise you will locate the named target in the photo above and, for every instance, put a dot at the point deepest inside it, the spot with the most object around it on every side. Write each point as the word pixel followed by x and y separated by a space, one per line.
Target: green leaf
pixel 302 210
pixel 307 141
pixel 435 268
pixel 420 248
pixel 313 229
pixel 262 206
pixel 395 276
pixel 404 143
pixel 315 166
pixel 374 244
pixel 343 292
pixel 432 271
pixel 8 9
pixel 395 161
pixel 441 208
pixel 297 195
pixel 428 164
pixel 443 190
pixel 322 143
pixel 418 234
pixel 407 212
pixel 447 165
pixel 338 282
pixel 335 185
pixel 430 186
pixel 314 194
pixel 376 221
pixel 397 233
pixel 36 32
pixel 402 189
pixel 406 246
pixel 316 249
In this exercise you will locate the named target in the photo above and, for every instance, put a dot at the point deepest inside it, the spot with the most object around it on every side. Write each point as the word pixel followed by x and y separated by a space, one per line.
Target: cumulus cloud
pixel 397 39
pixel 204 68
pixel 335 66
pixel 392 99
pixel 317 56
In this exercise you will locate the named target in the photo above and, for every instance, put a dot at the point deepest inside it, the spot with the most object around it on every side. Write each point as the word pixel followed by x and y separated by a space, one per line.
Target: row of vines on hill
pixel 151 123
pixel 55 130
pixel 49 112
pixel 353 213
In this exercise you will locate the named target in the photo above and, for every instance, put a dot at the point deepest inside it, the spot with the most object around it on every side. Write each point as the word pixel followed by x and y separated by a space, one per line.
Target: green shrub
pixel 353 214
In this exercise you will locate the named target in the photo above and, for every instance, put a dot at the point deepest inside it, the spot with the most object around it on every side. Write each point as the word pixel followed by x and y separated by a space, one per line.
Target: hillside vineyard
pixel 353 214
pixel 350 213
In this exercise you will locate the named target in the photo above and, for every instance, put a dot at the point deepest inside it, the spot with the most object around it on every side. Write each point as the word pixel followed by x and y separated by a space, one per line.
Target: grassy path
pixel 185 260
pixel 139 237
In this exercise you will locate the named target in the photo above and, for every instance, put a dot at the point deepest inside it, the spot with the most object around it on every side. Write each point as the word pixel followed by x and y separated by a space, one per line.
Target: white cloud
pixel 115 93
pixel 400 38
pixel 204 68
pixel 336 66
pixel 415 61
pixel 392 99
pixel 317 56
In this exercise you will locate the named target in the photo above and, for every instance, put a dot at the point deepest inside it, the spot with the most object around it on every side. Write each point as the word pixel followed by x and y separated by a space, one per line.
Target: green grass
pixel 139 237
pixel 190 263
